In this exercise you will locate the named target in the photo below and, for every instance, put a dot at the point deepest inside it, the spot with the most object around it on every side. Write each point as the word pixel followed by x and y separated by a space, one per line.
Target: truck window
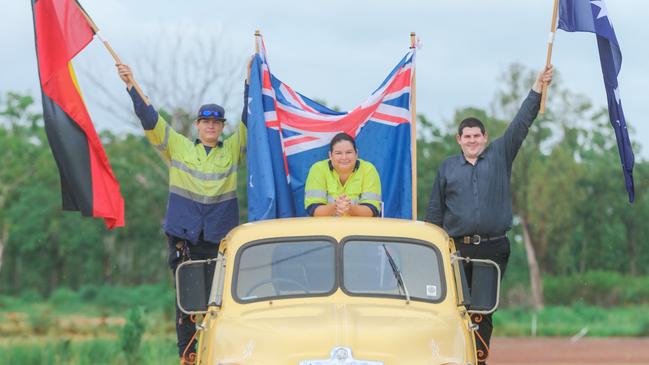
pixel 271 270
pixel 367 269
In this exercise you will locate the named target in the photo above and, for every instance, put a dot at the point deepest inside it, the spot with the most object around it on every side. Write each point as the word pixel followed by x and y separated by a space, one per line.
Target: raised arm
pixel 147 113
pixel 237 143
pixel 156 129
pixel 515 134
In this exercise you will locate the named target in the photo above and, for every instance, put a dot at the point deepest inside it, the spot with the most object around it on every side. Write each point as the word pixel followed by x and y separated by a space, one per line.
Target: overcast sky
pixel 340 50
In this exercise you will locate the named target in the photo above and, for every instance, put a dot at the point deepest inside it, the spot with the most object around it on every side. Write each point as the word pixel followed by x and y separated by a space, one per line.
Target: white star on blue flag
pixel 587 16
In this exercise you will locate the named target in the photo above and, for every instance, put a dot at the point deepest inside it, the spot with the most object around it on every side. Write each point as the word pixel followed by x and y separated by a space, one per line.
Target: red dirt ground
pixel 562 351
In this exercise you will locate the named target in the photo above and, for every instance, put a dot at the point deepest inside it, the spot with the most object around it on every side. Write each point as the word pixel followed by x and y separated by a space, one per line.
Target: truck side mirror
pixel 199 284
pixel 485 286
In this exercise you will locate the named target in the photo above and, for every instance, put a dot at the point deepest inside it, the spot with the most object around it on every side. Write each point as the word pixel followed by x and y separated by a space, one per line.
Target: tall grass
pixel 158 350
pixel 94 301
pixel 568 321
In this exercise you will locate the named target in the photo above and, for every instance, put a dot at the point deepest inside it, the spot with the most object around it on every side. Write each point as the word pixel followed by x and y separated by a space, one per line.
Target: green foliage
pixel 152 297
pixel 45 248
pixel 63 297
pixel 130 338
pixel 433 147
pixel 600 288
pixel 16 109
pixel 568 321
pixel 31 296
pixel 91 300
pixel 41 321
pixel 157 350
pixel 88 293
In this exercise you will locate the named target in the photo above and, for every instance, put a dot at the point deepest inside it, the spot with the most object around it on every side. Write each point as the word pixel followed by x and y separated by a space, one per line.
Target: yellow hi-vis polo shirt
pixel 202 186
pixel 323 186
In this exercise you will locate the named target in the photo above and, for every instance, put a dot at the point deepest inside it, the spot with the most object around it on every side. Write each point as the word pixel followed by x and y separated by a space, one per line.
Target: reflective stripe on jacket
pixel 323 185
pixel 202 186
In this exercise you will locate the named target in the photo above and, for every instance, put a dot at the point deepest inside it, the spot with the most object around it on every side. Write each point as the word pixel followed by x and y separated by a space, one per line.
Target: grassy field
pixel 135 325
pixel 104 325
pixel 569 321
pixel 80 351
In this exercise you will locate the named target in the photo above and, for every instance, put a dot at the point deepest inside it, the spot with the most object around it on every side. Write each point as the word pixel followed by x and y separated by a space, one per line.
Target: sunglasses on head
pixel 209 113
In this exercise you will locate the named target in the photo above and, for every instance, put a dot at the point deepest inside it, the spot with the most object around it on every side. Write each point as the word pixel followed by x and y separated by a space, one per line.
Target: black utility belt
pixel 476 239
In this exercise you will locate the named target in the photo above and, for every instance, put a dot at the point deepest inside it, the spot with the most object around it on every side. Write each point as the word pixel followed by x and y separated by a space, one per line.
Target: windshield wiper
pixel 397 274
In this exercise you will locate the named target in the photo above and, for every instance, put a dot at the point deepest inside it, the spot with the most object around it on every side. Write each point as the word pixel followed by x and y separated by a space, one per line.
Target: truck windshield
pixel 285 269
pixel 367 269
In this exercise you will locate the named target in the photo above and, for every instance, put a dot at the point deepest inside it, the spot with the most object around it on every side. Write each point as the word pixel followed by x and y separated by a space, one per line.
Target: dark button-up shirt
pixel 476 199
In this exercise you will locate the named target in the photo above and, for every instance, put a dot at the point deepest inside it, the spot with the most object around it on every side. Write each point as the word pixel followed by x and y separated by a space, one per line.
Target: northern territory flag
pixel 88 184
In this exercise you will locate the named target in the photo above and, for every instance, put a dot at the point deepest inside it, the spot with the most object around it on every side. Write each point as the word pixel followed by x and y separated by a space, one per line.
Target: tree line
pixel 571 211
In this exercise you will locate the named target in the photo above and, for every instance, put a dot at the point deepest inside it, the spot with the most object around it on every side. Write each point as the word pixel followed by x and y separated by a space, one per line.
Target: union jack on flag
pixel 288 133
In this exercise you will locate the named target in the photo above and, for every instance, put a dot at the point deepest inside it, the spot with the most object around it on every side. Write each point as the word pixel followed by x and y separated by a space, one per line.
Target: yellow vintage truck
pixel 325 291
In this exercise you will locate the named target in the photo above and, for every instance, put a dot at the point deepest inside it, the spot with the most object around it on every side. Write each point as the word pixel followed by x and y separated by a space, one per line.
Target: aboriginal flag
pixel 88 184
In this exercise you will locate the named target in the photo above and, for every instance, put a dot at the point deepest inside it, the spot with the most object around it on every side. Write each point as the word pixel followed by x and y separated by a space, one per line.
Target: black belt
pixel 476 239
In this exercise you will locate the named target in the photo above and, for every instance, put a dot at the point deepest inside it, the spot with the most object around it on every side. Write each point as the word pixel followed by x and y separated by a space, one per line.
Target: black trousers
pixel 497 251
pixel 180 251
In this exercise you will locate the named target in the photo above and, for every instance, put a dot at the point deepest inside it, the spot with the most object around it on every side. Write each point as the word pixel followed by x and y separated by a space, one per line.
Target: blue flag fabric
pixel 592 16
pixel 288 133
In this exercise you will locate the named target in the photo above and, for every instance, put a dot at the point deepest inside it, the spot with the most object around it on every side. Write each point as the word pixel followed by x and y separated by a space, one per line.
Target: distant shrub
pixel 41 321
pixel 152 297
pixel 130 337
pixel 9 302
pixel 63 297
pixel 644 328
pixel 31 296
pixel 636 290
pixel 88 293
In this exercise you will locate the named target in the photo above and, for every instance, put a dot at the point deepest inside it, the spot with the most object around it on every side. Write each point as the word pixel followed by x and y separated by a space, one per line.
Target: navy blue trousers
pixel 497 251
pixel 180 251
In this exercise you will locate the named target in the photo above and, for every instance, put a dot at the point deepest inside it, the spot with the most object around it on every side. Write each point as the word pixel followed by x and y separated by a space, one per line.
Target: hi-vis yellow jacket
pixel 323 186
pixel 202 185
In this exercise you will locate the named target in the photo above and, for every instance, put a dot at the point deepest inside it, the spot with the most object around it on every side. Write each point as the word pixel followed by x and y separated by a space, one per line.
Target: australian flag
pixel 288 132
pixel 592 16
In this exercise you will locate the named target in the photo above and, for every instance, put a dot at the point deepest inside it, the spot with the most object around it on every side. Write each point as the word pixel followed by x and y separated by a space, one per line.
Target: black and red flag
pixel 88 184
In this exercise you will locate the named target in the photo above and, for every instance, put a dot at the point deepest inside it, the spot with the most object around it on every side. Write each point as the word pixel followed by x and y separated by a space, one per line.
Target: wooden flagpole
pixel 118 61
pixel 257 34
pixel 281 138
pixel 413 131
pixel 548 60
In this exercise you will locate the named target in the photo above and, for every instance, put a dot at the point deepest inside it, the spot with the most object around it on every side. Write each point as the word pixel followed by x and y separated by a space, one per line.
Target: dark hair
pixel 470 123
pixel 342 137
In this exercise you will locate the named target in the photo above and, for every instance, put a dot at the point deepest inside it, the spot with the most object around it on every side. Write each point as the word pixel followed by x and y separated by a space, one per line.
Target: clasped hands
pixel 343 205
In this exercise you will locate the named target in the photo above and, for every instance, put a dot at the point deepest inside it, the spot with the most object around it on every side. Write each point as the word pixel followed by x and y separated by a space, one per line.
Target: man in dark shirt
pixel 471 197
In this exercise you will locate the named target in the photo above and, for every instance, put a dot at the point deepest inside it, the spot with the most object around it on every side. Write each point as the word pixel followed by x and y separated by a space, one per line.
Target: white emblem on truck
pixel 340 356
